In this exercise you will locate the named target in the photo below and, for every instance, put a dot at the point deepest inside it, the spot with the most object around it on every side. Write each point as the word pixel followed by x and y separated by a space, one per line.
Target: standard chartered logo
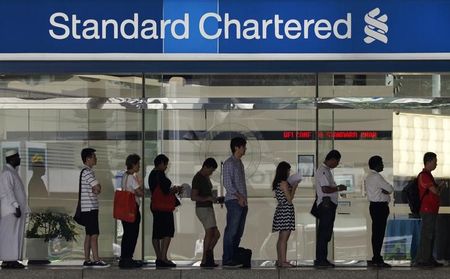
pixel 376 27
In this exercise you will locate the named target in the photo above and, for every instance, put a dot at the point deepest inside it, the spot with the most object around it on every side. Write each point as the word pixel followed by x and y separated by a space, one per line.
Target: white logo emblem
pixel 376 27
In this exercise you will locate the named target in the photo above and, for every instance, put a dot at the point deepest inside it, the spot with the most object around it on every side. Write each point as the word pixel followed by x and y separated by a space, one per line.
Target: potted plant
pixel 44 227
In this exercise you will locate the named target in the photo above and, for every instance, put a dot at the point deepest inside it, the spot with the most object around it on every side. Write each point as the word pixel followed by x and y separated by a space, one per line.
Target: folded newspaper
pixel 295 179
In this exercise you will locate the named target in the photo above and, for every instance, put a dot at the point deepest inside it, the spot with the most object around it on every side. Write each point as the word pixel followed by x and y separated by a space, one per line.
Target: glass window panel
pixel 221 86
pixel 351 239
pixel 50 141
pixel 103 86
pixel 355 85
pixel 198 125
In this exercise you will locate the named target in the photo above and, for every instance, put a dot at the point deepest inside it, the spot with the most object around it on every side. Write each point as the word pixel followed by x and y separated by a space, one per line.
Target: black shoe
pixel 161 263
pixel 13 265
pixel 138 263
pixel 422 264
pixel 383 265
pixel 5 264
pixel 232 264
pixel 169 263
pixel 87 264
pixel 209 260
pixel 380 264
pixel 129 263
pixel 323 264
pixel 125 264
pixel 435 263
pixel 99 264
pixel 209 265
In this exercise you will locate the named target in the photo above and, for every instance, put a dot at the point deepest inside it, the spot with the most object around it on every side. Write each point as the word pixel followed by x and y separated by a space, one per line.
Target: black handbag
pixel 77 217
pixel 315 209
pixel 244 257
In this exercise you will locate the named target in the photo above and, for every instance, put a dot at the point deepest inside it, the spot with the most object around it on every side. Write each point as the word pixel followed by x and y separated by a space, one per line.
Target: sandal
pixel 285 264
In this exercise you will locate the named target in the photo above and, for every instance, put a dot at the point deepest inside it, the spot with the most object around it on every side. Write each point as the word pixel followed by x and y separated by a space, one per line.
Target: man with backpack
pixel 429 192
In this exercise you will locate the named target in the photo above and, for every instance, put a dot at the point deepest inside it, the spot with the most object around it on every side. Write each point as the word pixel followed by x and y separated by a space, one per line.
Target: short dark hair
pixel 132 160
pixel 210 163
pixel 333 154
pixel 237 142
pixel 87 153
pixel 429 156
pixel 161 158
pixel 375 161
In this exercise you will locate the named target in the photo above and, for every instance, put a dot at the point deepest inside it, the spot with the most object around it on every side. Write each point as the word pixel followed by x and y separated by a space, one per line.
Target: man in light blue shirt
pixel 235 201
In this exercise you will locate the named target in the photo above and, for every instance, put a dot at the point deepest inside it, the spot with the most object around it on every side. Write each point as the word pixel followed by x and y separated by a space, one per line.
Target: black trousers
pixel 379 212
pixel 327 214
pixel 129 238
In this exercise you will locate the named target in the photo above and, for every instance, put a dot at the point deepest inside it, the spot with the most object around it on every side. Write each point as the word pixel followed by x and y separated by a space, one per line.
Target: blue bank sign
pixel 224 29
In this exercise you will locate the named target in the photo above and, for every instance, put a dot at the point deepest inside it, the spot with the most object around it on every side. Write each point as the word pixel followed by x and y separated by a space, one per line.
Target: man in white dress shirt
pixel 327 200
pixel 378 193
pixel 14 210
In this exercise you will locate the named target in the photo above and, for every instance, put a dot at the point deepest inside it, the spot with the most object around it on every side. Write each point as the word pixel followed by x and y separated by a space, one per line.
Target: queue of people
pixel 14 209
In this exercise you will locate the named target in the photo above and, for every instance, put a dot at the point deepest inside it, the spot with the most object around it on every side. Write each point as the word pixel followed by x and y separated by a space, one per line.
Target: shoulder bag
pixel 162 202
pixel 77 216
pixel 125 204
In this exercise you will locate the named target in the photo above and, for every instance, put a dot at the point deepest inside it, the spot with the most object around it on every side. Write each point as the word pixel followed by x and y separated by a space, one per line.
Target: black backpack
pixel 411 195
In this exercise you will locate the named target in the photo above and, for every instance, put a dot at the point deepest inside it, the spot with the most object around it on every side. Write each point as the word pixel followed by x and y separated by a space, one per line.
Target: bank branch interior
pixel 293 117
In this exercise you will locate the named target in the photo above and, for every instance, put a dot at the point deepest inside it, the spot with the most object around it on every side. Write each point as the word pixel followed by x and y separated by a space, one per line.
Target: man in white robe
pixel 13 212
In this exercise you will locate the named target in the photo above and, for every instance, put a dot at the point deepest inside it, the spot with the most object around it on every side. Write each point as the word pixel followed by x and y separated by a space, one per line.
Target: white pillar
pixel 436 89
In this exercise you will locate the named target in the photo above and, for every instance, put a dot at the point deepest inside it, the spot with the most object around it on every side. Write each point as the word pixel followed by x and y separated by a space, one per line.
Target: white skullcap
pixel 10 153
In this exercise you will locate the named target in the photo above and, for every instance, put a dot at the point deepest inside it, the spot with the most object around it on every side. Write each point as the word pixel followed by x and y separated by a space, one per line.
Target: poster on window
pixel 306 165
pixel 37 171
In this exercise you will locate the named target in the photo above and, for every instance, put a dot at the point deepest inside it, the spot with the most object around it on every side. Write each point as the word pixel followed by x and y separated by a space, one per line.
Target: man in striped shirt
pixel 90 189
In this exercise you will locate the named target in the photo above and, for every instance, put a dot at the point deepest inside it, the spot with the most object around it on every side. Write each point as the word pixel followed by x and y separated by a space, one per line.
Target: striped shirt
pixel 234 178
pixel 89 200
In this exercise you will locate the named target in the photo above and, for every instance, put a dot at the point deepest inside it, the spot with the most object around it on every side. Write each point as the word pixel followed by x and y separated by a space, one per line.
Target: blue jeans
pixel 234 230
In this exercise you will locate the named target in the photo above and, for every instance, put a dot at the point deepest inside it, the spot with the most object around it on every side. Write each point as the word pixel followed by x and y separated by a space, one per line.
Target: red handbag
pixel 162 202
pixel 125 205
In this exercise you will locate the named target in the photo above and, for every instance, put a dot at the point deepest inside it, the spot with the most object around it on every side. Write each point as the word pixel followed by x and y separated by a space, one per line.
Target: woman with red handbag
pixel 163 204
pixel 131 183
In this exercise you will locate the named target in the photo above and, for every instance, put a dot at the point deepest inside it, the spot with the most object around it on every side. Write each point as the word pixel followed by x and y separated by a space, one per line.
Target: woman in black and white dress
pixel 284 217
